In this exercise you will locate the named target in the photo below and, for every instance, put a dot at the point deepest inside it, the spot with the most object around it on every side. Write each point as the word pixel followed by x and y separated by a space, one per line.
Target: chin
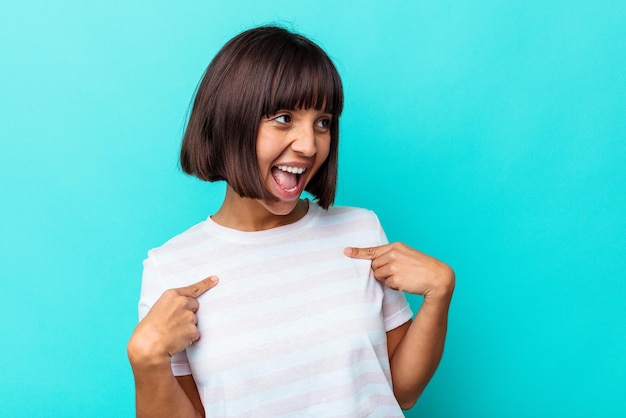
pixel 280 208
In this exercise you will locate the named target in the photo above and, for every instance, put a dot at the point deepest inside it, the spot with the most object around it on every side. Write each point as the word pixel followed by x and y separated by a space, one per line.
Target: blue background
pixel 488 134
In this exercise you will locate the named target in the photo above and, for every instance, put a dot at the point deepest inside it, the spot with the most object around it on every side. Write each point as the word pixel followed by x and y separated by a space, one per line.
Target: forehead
pixel 304 81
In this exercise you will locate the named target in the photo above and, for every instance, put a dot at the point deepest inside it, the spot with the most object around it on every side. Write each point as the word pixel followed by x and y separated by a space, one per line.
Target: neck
pixel 245 214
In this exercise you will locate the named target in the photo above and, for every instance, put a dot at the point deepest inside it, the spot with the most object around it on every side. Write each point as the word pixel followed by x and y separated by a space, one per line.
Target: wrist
pixel 444 288
pixel 144 354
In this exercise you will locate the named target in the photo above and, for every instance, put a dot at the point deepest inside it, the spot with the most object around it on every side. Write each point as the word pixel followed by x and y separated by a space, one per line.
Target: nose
pixel 304 141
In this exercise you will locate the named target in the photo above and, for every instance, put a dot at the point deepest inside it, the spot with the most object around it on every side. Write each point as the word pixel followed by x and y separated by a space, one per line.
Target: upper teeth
pixel 293 170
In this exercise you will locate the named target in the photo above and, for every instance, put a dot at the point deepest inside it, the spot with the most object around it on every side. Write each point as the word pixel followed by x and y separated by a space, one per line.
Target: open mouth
pixel 288 178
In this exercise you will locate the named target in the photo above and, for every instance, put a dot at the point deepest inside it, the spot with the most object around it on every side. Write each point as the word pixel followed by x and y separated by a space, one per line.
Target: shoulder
pixel 180 243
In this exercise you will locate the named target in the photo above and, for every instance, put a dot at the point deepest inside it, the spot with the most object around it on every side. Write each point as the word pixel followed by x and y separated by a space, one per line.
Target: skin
pixel 295 138
pixel 168 328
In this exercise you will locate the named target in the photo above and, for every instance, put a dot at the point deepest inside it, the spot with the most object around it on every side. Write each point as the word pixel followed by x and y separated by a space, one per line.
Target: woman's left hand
pixel 404 268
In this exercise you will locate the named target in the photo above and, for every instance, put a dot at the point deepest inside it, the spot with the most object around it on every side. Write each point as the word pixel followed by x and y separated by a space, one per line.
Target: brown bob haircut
pixel 256 74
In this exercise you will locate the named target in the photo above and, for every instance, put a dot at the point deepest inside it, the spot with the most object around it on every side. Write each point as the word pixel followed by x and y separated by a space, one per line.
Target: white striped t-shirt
pixel 294 328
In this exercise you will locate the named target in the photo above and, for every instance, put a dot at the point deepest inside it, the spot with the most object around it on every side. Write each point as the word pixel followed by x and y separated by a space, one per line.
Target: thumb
pixel 197 289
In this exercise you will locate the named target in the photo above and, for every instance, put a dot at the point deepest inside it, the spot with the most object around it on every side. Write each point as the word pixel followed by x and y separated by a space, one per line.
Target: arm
pixel 168 328
pixel 159 394
pixel 419 347
pixel 191 390
pixel 416 347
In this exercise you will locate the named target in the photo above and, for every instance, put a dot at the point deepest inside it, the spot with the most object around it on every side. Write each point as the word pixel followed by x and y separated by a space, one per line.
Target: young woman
pixel 277 305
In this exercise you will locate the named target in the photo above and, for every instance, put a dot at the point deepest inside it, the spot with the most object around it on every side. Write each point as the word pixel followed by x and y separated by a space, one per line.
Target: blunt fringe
pixel 256 74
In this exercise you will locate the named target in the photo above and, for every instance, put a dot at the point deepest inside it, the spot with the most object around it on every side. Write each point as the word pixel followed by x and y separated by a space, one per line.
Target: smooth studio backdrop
pixel 488 134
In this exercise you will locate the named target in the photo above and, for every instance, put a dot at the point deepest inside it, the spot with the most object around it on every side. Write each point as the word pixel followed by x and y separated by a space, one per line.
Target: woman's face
pixel 291 146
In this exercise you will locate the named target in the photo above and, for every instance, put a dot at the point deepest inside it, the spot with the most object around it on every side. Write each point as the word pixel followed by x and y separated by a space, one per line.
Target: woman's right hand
pixel 170 326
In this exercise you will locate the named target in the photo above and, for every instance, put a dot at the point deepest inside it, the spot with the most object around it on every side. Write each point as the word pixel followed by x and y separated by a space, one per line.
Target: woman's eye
pixel 283 119
pixel 324 123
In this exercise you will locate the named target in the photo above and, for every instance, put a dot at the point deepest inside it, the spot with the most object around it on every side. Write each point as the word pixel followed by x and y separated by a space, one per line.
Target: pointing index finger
pixel 368 253
pixel 197 289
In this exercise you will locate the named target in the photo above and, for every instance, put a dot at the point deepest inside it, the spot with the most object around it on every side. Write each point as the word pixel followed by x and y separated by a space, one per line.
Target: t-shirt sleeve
pixel 396 309
pixel 151 290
